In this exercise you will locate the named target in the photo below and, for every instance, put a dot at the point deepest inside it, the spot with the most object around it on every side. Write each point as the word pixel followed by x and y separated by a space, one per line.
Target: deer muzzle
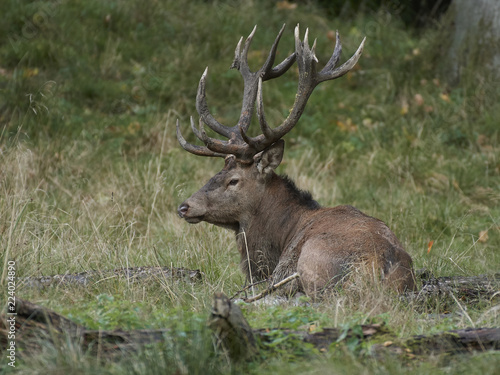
pixel 189 214
pixel 182 210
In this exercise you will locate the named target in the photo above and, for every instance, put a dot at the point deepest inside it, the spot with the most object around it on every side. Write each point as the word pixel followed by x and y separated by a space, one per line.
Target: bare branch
pixel 272 288
pixel 248 287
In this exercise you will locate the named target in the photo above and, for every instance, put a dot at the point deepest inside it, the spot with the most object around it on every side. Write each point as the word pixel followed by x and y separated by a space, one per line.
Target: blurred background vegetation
pixel 91 172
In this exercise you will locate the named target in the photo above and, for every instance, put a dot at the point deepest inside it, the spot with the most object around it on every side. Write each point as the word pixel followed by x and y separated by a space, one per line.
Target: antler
pixel 236 144
pixel 241 145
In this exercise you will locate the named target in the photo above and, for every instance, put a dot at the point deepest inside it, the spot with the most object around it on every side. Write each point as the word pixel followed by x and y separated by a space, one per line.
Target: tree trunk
pixel 472 29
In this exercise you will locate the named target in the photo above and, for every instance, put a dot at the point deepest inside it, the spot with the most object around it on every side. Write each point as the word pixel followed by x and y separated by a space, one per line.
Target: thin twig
pixel 248 261
pixel 248 287
pixel 272 288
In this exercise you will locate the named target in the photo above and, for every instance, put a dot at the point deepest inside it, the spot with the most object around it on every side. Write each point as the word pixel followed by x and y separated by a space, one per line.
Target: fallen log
pixel 463 287
pixel 110 343
pixel 36 325
pixel 458 341
pixel 88 278
pixel 325 337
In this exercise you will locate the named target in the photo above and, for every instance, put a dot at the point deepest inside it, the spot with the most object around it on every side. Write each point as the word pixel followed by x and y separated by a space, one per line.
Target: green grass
pixel 92 173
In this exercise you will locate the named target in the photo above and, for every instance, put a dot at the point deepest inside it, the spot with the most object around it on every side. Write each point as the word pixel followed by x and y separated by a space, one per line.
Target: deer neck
pixel 264 234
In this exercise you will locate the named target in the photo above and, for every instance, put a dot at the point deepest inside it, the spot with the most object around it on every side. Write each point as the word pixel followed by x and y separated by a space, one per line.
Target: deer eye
pixel 233 182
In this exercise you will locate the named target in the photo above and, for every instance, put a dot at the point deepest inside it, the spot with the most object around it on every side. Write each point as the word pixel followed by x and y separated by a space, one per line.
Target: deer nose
pixel 183 209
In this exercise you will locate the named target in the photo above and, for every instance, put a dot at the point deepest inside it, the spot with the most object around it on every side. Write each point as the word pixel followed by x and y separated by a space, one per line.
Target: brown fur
pixel 282 230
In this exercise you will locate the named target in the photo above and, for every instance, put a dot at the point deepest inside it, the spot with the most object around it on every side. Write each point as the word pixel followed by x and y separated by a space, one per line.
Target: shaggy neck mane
pixel 302 197
pixel 263 237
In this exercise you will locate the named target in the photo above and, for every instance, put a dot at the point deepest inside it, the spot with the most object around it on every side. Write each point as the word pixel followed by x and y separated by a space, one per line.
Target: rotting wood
pixel 36 325
pixel 322 339
pixel 88 278
pixel 461 340
pixel 116 341
pixel 466 288
pixel 231 329
pixel 452 342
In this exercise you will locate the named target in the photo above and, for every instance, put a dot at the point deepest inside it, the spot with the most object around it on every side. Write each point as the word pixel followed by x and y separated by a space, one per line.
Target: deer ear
pixel 269 159
pixel 229 162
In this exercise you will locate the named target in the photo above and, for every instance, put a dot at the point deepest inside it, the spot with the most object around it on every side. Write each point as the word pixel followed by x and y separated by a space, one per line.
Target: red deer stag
pixel 280 229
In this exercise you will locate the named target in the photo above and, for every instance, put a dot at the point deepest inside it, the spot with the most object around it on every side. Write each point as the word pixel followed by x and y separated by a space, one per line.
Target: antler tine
pixel 224 148
pixel 203 111
pixel 256 142
pixel 251 78
pixel 306 61
pixel 313 51
pixel 309 50
pixel 336 54
pixel 266 130
pixel 267 70
pixel 243 63
pixel 236 61
pixel 281 68
pixel 328 72
pixel 195 129
pixel 197 150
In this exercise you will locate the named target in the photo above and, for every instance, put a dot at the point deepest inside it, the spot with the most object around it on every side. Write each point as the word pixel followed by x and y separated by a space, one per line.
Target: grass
pixel 92 173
